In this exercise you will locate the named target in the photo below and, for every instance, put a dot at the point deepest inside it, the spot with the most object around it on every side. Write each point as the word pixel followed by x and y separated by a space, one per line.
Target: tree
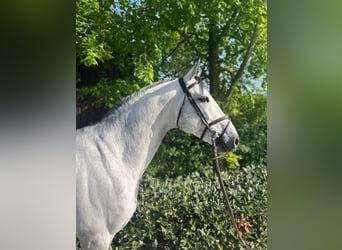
pixel 155 37
pixel 224 34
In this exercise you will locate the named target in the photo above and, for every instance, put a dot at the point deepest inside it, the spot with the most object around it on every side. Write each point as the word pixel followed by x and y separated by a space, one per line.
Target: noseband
pixel 200 113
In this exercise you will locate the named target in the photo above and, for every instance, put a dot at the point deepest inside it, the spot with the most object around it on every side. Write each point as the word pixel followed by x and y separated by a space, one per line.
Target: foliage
pixel 218 32
pixel 248 112
pixel 161 37
pixel 106 93
pixel 92 31
pixel 180 154
pixel 188 212
pixel 116 31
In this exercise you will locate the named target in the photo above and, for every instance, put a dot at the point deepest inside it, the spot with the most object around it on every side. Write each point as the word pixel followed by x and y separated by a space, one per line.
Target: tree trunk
pixel 213 58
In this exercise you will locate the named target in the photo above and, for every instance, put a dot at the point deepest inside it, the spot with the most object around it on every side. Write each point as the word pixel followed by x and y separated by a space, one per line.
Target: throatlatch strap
pixel 180 111
pixel 192 101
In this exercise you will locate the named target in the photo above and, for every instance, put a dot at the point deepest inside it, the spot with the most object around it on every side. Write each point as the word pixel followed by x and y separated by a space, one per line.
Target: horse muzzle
pixel 227 146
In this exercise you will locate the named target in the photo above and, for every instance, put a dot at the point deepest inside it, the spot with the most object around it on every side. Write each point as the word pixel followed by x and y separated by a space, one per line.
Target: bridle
pixel 214 141
pixel 199 112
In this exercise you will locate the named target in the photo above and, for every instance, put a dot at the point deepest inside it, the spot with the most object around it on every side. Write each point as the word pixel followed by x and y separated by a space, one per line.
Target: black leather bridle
pixel 193 103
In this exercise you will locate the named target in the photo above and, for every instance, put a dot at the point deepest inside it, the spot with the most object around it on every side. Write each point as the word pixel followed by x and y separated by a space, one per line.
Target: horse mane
pixel 119 106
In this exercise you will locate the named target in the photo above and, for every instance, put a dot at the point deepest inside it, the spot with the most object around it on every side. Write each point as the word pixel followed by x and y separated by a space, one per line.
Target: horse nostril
pixel 236 141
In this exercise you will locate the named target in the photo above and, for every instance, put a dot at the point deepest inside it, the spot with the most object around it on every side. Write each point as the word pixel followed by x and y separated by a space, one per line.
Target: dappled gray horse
pixel 112 155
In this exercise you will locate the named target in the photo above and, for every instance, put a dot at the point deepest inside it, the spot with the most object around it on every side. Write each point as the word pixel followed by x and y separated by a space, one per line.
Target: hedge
pixel 187 212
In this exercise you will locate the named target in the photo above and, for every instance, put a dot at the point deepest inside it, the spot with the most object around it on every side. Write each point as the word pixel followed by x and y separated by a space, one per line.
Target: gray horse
pixel 112 155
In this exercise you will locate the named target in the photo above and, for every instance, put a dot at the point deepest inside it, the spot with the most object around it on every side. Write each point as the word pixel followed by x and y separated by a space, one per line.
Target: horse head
pixel 201 116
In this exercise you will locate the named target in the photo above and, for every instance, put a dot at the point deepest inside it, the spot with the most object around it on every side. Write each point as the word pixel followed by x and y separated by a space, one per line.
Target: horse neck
pixel 141 126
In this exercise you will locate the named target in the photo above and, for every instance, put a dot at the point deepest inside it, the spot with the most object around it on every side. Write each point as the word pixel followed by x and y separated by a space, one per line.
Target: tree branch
pixel 174 49
pixel 199 54
pixel 187 37
pixel 229 72
pixel 227 25
pixel 243 65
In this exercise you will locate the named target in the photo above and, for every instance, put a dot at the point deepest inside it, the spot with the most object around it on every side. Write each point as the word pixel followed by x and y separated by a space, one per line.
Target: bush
pixel 180 154
pixel 188 212
pixel 248 113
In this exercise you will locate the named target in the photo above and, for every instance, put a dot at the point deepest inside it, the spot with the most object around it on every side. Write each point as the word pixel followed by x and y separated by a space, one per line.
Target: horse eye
pixel 203 99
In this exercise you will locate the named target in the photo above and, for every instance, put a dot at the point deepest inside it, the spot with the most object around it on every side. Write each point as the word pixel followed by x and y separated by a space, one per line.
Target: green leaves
pixel 188 212
pixel 105 93
pixel 145 72
pixel 93 26
pixel 92 56
pixel 232 160
pixel 249 117
pixel 180 154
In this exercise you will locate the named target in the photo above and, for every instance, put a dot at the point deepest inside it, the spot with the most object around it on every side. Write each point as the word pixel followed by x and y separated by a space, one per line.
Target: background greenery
pixel 122 46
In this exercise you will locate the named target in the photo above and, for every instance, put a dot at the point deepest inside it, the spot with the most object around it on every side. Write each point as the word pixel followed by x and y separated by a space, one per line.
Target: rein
pixel 225 196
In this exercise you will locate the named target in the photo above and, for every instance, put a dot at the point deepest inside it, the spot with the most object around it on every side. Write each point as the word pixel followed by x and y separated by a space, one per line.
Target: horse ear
pixel 197 70
pixel 194 71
